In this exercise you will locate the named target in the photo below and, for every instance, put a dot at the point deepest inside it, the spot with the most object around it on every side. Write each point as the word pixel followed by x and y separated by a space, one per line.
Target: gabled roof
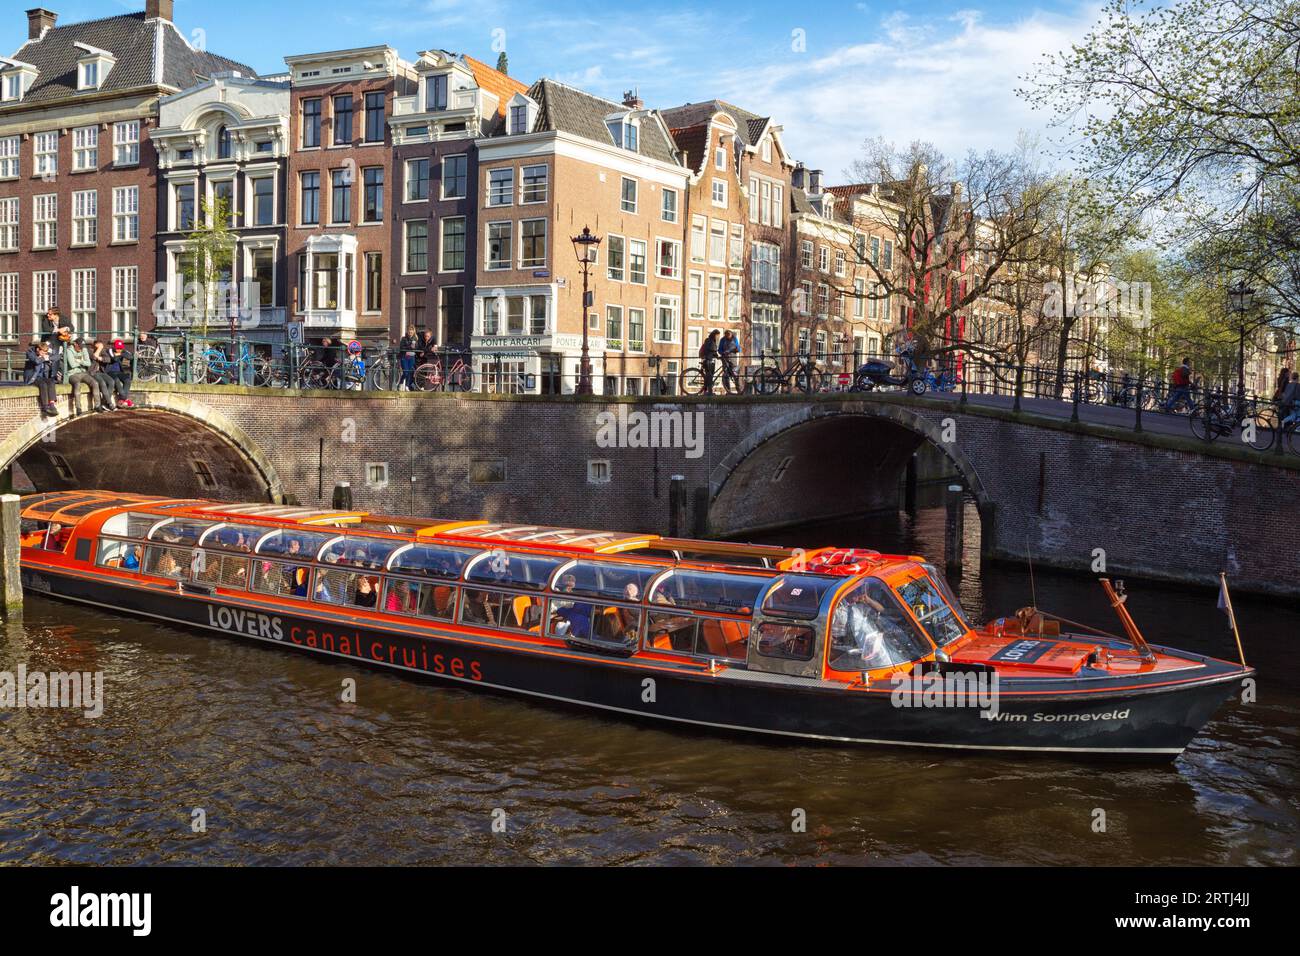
pixel 149 54
pixel 749 126
pixel 693 141
pixel 495 82
pixel 568 110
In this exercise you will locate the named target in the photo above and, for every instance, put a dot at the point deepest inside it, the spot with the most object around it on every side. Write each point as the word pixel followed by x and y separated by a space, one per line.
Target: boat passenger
pixel 479 609
pixel 399 598
pixel 131 558
pixel 577 617
pixel 366 595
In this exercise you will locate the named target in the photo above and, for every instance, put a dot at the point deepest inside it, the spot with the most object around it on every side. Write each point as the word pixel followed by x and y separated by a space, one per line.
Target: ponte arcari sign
pixel 559 342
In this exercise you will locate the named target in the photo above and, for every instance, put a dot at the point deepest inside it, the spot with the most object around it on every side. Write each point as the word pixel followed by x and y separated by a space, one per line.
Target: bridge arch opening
pixel 182 451
pixel 817 465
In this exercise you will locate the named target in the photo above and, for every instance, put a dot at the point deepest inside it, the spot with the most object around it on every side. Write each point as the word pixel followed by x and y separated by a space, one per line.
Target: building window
pixel 614 264
pixel 498 245
pixel 778 204
pixel 699 237
pixel 717 242
pixel 83 300
pixel 262 268
pixel 327 279
pixel 823 258
pixel 624 133
pixel 736 258
pixel 435 93
pixel 667 318
pixel 453 244
pixel 126 143
pixel 417 246
pixel 413 307
pixel 628 203
pixel 126 213
pixel 766 275
pixel 695 296
pixel 45 221
pixel 9 224
pixel 85 148
pixel 519 118
pixel 668 259
pixel 823 299
pixel 9 306
pixel 223 143
pixel 733 299
pixel 803 299
pixel 806 253
pixel 766 328
pixel 765 203
pixel 310 198
pixel 839 262
pixel 636 252
pixel 340 196
pixel 598 471
pixel 614 328
pixel 753 199
pixel 375 117
pixel 183 205
pixel 455 177
pixel 501 184
pixel 859 293
pixel 126 297
pixel 343 119
pixel 373 183
pixel 716 298
pixel 264 201
pixel 9 149
pixel 532 243
pixel 45 148
pixel 453 314
pixel 669 211
pixel 636 330
pixel 720 192
pixel 533 184
pixel 888 262
pixel 45 295
pixel 374 299
pixel 765 150
pixel 417 179
pixel 311 110
pixel 223 193
pixel 85 217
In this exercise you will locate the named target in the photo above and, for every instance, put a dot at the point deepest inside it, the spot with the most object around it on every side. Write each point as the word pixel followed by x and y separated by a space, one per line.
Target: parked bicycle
pixel 802 374
pixel 215 367
pixel 436 377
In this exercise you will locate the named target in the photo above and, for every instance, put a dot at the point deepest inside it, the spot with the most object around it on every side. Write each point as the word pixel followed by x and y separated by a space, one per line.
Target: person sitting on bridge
pixel 76 372
pixel 38 370
pixel 118 368
pixel 107 387
pixel 1181 385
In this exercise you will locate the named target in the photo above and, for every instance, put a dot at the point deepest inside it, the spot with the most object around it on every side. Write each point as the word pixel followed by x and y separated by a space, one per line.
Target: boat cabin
pixel 844 616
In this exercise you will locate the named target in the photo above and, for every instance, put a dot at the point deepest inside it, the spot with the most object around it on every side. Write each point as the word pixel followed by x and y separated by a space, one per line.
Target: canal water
pixel 257 744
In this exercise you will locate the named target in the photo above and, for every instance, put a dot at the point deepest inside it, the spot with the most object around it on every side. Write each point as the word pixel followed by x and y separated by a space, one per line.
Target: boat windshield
pixel 514 570
pixel 626 582
pixel 870 629
pixel 709 590
pixel 799 595
pixel 923 596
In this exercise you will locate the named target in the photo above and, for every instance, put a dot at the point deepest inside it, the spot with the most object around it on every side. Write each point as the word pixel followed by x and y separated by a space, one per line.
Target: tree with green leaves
pixel 210 248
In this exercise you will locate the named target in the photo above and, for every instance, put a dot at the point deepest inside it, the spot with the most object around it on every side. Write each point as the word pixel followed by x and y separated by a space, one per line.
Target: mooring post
pixel 11 581
pixel 954 526
pixel 700 513
pixel 909 486
pixel 676 505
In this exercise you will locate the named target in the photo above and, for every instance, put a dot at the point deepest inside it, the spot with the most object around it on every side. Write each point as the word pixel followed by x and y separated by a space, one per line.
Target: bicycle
pixel 802 373
pixel 379 375
pixel 431 377
pixel 693 379
pixel 152 366
pixel 215 367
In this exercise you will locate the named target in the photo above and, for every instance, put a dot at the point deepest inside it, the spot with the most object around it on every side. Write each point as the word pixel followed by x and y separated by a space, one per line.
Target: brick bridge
pixel 1160 505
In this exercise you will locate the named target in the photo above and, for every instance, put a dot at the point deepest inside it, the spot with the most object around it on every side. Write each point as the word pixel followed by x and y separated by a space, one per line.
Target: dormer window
pixel 519 118
pixel 521 115
pixel 16 79
pixel 13 88
pixel 623 130
pixel 435 93
pixel 93 66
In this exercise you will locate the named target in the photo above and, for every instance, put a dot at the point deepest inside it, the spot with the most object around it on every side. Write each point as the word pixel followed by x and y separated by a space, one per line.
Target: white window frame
pixel 84 299
pixel 45 294
pixel 504 264
pixel 545 185
pixel 9 286
pixel 609 258
pixel 85 148
pixel 126 214
pixel 534 263
pixel 442 184
pixel 673 214
pixel 10 216
pixel 10 157
pixel 695 296
pixel 622 194
pixel 45 221
pixel 674 246
pixel 500 195
pixel 85 217
pixel 632 244
pixel 700 237
pixel 126 143
pixel 672 303
pixel 45 150
pixel 126 299
pixel 718 192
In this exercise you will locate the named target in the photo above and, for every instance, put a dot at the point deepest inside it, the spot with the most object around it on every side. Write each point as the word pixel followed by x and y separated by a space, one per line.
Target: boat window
pixel 167 562
pixel 923 597
pixel 622 582
pixel 515 570
pixel 180 531
pixel 118 554
pixel 275 577
pixel 870 629
pixel 425 599
pixel 585 620
pixel 941 582
pixel 520 612
pixel 223 570
pixel 55 538
pixel 432 561
pixel 709 590
pixel 703 636
pixel 360 552
pixel 233 537
pixel 292 543
pixel 792 642
pixel 131 524
pixel 351 588
pixel 799 595
pixel 81 510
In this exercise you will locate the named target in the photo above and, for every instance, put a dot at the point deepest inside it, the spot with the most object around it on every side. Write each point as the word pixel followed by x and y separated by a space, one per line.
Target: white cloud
pixel 951 82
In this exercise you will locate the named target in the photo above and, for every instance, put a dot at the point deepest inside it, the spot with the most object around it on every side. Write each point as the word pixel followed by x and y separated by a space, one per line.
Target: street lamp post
pixel 584 245
pixel 1239 301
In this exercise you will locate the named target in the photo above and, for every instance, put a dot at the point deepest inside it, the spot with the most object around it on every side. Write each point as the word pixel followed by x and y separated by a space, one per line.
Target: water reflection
pixel 411 773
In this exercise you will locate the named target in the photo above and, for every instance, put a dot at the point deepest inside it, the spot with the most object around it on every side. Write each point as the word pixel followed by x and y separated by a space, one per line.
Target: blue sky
pixel 939 71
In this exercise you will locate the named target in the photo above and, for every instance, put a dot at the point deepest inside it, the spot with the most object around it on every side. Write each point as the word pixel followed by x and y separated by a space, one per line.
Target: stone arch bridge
pixel 1160 505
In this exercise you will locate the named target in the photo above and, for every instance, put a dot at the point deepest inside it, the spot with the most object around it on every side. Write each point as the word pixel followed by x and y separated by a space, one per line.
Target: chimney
pixel 814 182
pixel 38 21
pixel 632 100
pixel 796 176
pixel 158 9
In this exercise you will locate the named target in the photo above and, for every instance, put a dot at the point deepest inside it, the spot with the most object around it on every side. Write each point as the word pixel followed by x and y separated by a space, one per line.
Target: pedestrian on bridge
pixel 709 359
pixel 728 351
pixel 1180 385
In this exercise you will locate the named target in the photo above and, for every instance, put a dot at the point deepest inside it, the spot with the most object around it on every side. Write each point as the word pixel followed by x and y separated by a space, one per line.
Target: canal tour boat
pixel 852 647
